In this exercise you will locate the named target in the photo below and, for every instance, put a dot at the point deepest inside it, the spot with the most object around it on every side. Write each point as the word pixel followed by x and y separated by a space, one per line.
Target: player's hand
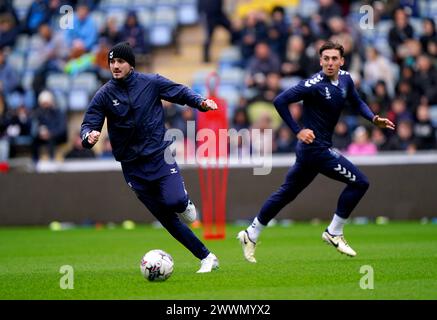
pixel 383 123
pixel 306 136
pixel 93 137
pixel 208 104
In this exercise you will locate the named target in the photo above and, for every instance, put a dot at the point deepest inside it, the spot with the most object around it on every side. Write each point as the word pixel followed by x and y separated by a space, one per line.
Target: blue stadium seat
pixel 145 17
pixel 161 35
pixel 85 81
pixel 229 57
pixel 118 14
pixel 58 82
pixel 308 8
pixel 21 7
pixel 187 13
pixel 78 100
pixel 22 43
pixel 17 61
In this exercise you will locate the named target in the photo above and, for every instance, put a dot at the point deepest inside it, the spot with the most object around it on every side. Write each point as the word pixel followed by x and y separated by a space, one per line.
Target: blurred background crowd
pixel 49 72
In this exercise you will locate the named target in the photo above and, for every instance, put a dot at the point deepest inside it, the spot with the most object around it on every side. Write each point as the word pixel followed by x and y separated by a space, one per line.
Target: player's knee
pixel 362 183
pixel 177 204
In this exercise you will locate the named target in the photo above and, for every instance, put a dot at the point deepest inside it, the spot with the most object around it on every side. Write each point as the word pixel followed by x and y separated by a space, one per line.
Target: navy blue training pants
pixel 309 163
pixel 164 196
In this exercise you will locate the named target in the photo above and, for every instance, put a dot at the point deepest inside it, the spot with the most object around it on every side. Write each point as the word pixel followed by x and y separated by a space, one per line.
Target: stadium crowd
pixel 393 63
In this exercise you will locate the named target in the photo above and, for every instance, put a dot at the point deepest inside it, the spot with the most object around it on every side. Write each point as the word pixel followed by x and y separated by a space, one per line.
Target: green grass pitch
pixel 293 263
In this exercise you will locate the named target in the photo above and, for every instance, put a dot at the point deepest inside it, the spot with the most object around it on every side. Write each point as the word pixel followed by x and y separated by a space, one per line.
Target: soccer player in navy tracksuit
pixel 324 96
pixel 131 103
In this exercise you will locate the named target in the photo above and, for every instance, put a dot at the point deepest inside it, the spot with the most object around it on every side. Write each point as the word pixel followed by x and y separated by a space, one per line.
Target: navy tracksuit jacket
pixel 136 129
pixel 323 102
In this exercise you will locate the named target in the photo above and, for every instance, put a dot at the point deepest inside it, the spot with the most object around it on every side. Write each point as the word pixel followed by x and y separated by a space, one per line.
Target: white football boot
pixel 339 242
pixel 208 264
pixel 248 246
pixel 189 215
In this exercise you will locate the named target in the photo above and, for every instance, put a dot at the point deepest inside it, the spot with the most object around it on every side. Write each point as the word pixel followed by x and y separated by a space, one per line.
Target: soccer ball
pixel 157 265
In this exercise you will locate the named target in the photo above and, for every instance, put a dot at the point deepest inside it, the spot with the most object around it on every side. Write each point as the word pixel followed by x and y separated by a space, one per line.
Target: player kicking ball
pixel 324 96
pixel 131 103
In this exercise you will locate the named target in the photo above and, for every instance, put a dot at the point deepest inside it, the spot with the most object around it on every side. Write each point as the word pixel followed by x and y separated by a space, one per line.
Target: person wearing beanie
pixel 131 103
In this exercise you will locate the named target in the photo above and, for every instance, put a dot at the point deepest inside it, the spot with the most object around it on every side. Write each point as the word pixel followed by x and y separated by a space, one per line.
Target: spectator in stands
pixel 78 151
pixel 111 31
pixel 429 33
pixel 8 31
pixel 379 139
pixel 38 13
pixel 212 15
pixel 49 124
pixel 378 67
pixel 18 129
pixel 425 78
pixel 285 141
pixel 399 111
pixel 381 97
pixel 261 142
pixel 260 65
pixel 253 31
pixel 6 7
pixel 278 32
pixel 432 48
pixel 296 61
pixel 85 29
pixel 401 31
pixel 424 131
pixel 52 53
pixel 361 144
pixel 134 33
pixel 8 76
pixel 341 137
pixel 4 141
pixel 240 120
pixel 404 91
pixel 327 10
pixel 404 137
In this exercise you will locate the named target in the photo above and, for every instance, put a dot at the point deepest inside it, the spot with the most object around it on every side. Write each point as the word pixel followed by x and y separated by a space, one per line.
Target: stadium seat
pixel 21 7
pixel 22 43
pixel 308 8
pixel 58 82
pixel 232 76
pixel 143 4
pixel 161 35
pixel 187 14
pixel 78 100
pixel 118 14
pixel 86 81
pixel 27 80
pixel 17 61
pixel 33 62
pixel 145 17
pixel 229 57
pixel 165 15
pixel 114 4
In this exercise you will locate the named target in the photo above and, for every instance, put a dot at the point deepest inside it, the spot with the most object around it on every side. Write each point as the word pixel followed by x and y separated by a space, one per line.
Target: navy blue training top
pixel 323 103
pixel 133 108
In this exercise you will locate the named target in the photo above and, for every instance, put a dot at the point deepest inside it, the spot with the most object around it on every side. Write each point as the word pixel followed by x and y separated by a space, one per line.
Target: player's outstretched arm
pixel 383 123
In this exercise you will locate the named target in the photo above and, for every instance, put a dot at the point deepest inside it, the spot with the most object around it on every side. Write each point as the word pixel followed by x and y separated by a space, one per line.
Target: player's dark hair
pixel 332 45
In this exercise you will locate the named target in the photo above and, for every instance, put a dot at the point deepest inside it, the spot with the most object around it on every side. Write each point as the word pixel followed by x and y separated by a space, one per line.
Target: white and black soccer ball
pixel 157 265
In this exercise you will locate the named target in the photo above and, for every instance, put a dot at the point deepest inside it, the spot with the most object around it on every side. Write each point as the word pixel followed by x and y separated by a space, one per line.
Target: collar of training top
pixel 126 81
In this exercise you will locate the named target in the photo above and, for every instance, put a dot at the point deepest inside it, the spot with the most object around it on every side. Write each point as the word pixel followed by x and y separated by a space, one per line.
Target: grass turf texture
pixel 293 263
